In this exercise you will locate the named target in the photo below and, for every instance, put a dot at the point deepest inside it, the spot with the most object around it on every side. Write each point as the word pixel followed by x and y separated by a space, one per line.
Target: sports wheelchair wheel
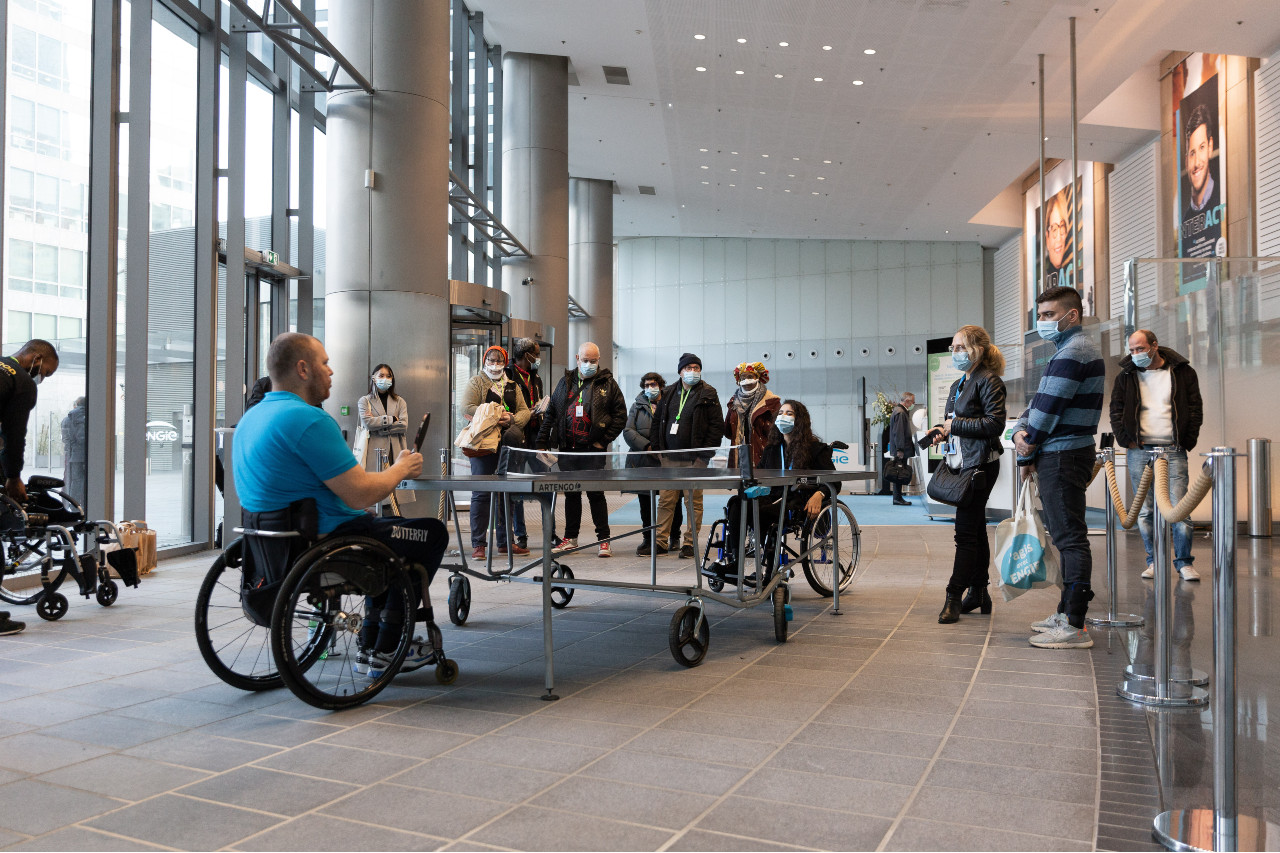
pixel 687 639
pixel 236 649
pixel 319 613
pixel 459 599
pixel 816 557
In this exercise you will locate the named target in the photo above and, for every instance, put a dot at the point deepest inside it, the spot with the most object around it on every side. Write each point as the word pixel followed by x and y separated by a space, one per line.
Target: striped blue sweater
pixel 1065 411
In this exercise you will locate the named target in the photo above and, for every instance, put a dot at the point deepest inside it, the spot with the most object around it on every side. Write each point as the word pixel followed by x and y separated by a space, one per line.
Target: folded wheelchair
pixel 285 606
pixel 48 538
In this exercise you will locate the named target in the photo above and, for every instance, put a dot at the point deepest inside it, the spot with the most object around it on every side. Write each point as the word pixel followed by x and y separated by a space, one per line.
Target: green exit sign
pixel 346 410
pixel 271 258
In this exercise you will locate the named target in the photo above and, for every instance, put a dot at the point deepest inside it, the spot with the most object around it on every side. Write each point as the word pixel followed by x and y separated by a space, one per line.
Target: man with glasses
pixel 1155 402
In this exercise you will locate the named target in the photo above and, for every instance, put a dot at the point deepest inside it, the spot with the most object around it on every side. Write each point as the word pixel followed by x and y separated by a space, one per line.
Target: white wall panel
pixel 813 257
pixel 970 305
pixel 691 261
pixel 812 299
pixel 838 304
pixel 891 300
pixel 839 256
pixel 667 265
pixel 865 255
pixel 735 259
pixel 713 267
pixel 786 309
pixel 1132 213
pixel 760 259
pixel 943 297
pixel 786 257
pixel 890 255
pixel 1008 293
pixel 918 293
pixel 1267 128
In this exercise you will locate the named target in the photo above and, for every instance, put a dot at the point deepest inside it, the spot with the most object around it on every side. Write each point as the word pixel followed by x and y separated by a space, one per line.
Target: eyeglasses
pixel 651 385
pixel 1057 229
pixel 958 349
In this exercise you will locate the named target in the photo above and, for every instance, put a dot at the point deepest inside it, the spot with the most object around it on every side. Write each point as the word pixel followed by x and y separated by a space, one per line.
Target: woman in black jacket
pixel 975 417
pixel 636 435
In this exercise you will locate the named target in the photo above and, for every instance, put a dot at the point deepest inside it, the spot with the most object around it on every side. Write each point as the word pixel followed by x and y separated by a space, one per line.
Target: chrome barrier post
pixel 1223 828
pixel 1160 690
pixel 1112 620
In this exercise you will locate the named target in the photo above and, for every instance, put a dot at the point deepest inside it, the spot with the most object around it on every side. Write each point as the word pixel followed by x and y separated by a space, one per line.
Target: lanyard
pixel 785 466
pixel 684 396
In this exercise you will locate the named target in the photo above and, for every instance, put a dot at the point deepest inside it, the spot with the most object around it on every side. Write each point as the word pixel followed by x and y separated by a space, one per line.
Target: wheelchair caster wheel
pixel 688 646
pixel 459 599
pixel 52 607
pixel 780 614
pixel 715 584
pixel 560 595
pixel 446 672
pixel 108 592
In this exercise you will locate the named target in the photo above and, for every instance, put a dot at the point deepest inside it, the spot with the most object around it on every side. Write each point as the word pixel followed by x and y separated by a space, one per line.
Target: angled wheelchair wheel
pixel 236 649
pixel 817 555
pixel 687 638
pixel 318 616
pixel 459 599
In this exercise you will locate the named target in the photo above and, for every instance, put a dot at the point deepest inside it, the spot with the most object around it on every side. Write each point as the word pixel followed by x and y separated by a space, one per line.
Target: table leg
pixel 835 553
pixel 548 518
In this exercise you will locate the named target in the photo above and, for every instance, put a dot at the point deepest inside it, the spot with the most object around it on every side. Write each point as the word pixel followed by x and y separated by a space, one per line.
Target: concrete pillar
pixel 535 193
pixel 591 264
pixel 387 283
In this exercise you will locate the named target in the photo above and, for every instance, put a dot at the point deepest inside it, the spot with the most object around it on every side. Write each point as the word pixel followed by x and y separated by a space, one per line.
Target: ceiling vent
pixel 617 75
pixel 647 190
pixel 573 74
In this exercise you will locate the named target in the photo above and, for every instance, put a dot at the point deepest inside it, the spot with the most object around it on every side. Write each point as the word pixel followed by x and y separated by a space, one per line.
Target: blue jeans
pixel 1178 478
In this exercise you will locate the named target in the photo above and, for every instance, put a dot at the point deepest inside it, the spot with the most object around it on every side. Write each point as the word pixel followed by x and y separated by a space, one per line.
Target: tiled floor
pixel 877 729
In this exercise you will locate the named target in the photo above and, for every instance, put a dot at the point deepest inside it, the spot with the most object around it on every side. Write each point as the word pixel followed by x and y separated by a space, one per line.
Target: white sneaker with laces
pixel 1049 624
pixel 420 654
pixel 565 545
pixel 1189 573
pixel 1063 636
pixel 605 550
pixel 1149 573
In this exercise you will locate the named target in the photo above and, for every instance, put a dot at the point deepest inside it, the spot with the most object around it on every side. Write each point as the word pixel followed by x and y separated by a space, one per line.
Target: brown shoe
pixel 478 553
pixel 519 550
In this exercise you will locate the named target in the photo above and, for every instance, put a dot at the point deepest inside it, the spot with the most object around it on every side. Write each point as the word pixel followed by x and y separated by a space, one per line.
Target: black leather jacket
pixel 979 415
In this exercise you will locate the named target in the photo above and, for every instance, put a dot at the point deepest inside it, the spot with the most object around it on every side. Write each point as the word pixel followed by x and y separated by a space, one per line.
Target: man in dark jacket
pixel 901 443
pixel 526 358
pixel 586 412
pixel 20 373
pixel 1156 403
pixel 685 419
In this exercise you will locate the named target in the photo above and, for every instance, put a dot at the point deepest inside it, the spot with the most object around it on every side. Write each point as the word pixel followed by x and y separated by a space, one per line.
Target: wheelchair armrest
pixel 268 534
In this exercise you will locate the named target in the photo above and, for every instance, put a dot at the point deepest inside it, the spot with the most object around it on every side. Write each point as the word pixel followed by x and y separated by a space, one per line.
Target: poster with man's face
pixel 1201 205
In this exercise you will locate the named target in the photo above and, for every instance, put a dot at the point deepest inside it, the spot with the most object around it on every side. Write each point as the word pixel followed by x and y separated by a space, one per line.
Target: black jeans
pixel 1063 477
pixel 481 502
pixel 973 551
pixel 573 500
pixel 417 541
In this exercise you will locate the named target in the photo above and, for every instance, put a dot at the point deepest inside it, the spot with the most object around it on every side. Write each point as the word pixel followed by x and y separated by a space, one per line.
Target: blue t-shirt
pixel 283 451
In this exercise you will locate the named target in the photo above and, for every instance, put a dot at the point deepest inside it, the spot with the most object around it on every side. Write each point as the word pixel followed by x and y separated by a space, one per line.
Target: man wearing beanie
pixel 687 418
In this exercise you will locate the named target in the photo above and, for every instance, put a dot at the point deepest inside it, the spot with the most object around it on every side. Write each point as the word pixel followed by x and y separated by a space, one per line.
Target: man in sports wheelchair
pixel 791 445
pixel 360 577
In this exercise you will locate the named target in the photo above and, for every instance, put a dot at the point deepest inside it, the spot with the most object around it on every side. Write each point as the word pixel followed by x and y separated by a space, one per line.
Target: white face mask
pixel 691 377
pixel 749 386
pixel 493 371
pixel 588 369
pixel 382 384
pixel 784 423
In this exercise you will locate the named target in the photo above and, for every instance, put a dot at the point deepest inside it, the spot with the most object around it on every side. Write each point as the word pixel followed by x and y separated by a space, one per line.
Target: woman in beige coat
pixel 493 385
pixel 384 420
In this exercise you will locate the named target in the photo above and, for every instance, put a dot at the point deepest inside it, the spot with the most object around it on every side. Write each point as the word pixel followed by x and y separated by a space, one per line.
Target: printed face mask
pixel 784 423
pixel 749 386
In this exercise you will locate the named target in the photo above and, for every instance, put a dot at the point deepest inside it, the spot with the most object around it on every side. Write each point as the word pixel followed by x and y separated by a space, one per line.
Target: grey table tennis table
pixel 557 581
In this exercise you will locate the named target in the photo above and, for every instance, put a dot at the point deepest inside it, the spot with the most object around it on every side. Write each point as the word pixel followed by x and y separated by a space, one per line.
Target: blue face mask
pixel 1142 360
pixel 382 384
pixel 1049 330
pixel 784 423
pixel 960 360
pixel 653 393
pixel 587 369
pixel 691 377
pixel 537 362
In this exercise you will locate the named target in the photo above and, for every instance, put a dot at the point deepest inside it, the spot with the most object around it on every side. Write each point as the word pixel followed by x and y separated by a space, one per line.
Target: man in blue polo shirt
pixel 286 449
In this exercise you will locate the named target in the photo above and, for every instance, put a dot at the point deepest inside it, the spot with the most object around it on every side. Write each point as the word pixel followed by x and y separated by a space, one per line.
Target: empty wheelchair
pixel 283 605
pixel 806 541
pixel 48 539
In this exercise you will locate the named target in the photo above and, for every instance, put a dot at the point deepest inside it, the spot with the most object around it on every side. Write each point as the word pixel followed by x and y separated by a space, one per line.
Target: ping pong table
pixel 690 633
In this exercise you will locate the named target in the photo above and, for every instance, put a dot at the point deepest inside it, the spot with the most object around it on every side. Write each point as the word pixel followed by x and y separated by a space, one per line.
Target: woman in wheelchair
pixel 791 446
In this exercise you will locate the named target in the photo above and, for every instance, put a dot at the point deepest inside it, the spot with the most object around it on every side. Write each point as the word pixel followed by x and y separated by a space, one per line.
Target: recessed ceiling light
pixel 817 79
pixel 739 72
pixel 764 173
pixel 821 178
pixel 786 191
pixel 706 182
pixel 946 232
pixel 783 44
pixel 703 150
pixel 742 41
pixel 699 36
pixel 764 155
pixel 733 185
pixel 857 82
pixel 733 170
pixel 797 159
pixel 700 68
pixel 828 162
pixel 826 47
pixel 733 152
pixel 759 188
pixel 871 51
pixel 815 192
pixel 779 76
pixel 790 176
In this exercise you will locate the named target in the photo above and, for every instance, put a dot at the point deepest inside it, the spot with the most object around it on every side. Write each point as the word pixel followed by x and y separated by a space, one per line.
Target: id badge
pixel 675 428
pixel 579 411
pixel 953 446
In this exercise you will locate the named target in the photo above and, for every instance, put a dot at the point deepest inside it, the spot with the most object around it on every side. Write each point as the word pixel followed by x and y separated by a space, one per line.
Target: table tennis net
pixel 522 462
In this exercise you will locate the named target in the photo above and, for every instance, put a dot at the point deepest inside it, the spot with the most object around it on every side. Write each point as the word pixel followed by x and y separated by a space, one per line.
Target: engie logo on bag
pixel 1024 562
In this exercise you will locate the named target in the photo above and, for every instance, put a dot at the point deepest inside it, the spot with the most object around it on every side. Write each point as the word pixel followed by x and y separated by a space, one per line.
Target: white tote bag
pixel 1024 552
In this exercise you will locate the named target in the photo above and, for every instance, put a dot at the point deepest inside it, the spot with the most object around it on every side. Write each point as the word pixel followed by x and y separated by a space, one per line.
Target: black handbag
pixel 955 488
pixel 898 472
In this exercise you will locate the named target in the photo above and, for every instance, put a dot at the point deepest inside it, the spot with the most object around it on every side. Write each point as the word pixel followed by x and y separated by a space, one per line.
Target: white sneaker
pixel 1150 572
pixel 605 551
pixel 1189 573
pixel 1050 623
pixel 1063 636
pixel 565 545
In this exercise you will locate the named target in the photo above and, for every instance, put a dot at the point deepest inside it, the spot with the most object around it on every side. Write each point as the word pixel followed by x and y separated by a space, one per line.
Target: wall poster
pixel 1060 243
pixel 1201 200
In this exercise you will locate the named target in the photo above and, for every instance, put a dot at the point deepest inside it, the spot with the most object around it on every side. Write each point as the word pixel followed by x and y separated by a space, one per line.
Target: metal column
pixel 387 288
pixel 535 181
pixel 307 193
pixel 1260 488
pixel 234 385
pixel 591 264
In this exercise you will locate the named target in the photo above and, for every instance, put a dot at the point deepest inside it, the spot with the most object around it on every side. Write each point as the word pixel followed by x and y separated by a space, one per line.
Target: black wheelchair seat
pixel 273 540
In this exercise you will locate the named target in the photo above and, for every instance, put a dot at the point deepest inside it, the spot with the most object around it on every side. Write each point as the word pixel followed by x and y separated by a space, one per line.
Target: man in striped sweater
pixel 1054 440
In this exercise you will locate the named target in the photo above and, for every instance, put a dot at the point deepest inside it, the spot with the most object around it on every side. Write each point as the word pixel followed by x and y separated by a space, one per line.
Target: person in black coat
pixel 587 411
pixel 902 444
pixel 526 360
pixel 975 419
pixel 689 418
pixel 636 435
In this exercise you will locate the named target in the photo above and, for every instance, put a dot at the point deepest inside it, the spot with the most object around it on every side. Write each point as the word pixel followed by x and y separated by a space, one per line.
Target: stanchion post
pixel 1107 456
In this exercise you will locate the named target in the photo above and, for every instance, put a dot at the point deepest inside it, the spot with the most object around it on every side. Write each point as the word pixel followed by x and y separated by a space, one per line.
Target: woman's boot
pixel 976 597
pixel 950 610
